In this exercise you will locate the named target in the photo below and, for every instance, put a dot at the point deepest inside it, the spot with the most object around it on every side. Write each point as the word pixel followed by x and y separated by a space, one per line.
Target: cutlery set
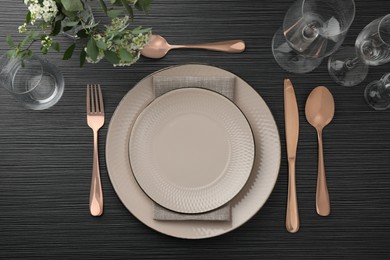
pixel 319 112
pixel 161 187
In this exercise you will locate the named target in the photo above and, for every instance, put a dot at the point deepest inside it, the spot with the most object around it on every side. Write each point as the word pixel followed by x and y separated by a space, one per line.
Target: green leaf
pixel 90 26
pixel 72 23
pixel 69 52
pixel 28 17
pixel 44 50
pixel 143 5
pixel 92 49
pixel 128 8
pixel 125 55
pixel 11 53
pixel 101 45
pixel 111 57
pixel 25 40
pixel 59 17
pixel 56 28
pixel 83 34
pixel 141 30
pixel 72 5
pixel 103 6
pixel 114 13
pixel 35 34
pixel 55 46
pixel 83 56
pixel 10 41
pixel 69 14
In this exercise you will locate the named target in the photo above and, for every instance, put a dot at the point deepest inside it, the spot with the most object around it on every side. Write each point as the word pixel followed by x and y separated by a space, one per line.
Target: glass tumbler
pixel 34 82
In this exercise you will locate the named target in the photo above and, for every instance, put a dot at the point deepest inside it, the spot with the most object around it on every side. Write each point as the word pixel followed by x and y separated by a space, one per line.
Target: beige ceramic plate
pixel 244 205
pixel 191 150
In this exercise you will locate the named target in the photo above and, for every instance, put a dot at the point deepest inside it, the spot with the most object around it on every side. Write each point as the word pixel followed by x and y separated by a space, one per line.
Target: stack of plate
pixel 192 151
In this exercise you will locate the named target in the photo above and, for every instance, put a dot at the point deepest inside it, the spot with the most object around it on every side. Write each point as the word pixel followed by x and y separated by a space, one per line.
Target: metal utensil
pixel 292 134
pixel 319 113
pixel 158 47
pixel 95 119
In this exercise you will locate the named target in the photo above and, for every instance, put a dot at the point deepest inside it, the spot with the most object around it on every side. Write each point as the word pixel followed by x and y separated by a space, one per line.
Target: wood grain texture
pixel 46 157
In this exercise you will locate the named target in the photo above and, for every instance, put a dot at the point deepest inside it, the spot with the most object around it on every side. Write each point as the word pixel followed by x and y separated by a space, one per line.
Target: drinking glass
pixel 377 93
pixel 312 30
pixel 349 66
pixel 34 82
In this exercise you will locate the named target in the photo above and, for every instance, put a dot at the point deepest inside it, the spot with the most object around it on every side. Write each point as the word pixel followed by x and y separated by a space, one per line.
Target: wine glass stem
pixel 351 63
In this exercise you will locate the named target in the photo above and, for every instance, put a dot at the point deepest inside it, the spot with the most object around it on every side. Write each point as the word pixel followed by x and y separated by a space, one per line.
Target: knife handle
pixel 292 216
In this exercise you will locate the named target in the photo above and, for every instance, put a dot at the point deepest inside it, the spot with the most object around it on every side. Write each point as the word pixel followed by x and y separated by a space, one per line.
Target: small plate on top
pixel 191 150
pixel 244 205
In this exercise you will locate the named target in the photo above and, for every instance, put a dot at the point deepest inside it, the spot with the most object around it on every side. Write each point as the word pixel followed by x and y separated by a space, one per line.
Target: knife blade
pixel 292 134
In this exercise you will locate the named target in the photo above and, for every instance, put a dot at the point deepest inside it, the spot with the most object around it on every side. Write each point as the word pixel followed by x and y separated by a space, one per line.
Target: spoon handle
pixel 322 195
pixel 233 46
pixel 292 215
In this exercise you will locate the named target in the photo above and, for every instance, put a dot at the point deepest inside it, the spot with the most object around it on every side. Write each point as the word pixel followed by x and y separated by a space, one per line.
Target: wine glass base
pixel 345 68
pixel 288 59
pixel 376 96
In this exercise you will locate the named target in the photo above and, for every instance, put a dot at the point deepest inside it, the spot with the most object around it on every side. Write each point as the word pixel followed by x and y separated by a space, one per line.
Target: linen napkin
pixel 222 85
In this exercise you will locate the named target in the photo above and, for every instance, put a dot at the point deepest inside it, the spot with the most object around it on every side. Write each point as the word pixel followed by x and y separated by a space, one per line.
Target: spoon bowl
pixel 157 48
pixel 320 107
pixel 319 113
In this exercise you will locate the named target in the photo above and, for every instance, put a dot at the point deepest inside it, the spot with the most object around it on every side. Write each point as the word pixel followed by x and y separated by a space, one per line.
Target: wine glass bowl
pixel 312 30
pixel 377 93
pixel 373 43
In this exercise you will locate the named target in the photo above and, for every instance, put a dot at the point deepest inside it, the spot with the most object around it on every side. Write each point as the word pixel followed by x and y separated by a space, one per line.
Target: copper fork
pixel 95 119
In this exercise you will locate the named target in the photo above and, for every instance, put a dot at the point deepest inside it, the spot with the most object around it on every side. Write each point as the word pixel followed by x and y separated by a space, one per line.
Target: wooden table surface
pixel 45 157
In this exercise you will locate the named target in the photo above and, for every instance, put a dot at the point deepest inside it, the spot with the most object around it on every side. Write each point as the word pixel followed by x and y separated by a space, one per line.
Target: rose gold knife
pixel 292 133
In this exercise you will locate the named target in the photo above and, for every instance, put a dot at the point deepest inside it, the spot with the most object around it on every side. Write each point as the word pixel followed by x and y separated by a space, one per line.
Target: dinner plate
pixel 244 205
pixel 191 150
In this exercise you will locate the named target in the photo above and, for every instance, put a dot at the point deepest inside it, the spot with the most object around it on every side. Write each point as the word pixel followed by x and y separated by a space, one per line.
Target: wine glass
pixel 349 66
pixel 377 93
pixel 312 30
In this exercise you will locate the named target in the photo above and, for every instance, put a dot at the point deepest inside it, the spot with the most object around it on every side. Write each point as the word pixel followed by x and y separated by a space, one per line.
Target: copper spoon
pixel 319 113
pixel 158 47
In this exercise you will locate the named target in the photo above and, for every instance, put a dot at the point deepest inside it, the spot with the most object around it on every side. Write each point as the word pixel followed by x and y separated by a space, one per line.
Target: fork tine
pixel 88 99
pixel 101 99
pixel 92 100
pixel 95 94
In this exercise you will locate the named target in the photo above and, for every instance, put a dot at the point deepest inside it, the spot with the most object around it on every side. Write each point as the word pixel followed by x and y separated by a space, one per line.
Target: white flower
pixel 46 42
pixel 47 3
pixel 47 10
pixel 22 28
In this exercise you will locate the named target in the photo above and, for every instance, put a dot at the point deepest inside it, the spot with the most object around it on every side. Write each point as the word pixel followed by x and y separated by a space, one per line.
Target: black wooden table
pixel 45 157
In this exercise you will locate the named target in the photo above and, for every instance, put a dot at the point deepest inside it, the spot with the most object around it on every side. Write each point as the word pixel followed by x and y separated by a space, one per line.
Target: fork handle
pixel 96 194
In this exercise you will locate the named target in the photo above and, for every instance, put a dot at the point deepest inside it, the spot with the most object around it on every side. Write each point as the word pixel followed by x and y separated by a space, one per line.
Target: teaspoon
pixel 319 113
pixel 158 47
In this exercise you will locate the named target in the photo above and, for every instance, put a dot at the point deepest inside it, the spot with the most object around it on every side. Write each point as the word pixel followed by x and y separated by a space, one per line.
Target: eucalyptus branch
pixel 116 42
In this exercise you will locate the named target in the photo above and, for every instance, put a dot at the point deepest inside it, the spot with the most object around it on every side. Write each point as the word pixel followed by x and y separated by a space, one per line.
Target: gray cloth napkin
pixel 224 86
pixel 221 85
